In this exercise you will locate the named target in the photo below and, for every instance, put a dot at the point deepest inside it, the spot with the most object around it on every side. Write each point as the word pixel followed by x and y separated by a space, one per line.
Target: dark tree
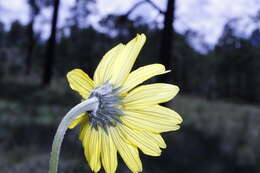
pixel 166 51
pixel 34 11
pixel 50 48
pixel 31 44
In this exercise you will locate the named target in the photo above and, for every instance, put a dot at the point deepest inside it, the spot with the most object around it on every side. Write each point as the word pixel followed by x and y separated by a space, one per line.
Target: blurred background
pixel 212 47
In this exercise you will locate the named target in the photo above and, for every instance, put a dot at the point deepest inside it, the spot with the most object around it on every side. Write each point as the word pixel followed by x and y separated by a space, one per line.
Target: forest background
pixel 219 81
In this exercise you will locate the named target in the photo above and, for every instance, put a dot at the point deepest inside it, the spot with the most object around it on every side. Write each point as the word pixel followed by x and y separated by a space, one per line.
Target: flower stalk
pixel 87 105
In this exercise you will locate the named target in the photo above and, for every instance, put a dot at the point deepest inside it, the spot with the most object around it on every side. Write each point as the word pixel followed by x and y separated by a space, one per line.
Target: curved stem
pixel 87 105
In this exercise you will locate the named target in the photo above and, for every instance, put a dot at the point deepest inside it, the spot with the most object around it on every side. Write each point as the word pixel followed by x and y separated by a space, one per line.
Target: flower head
pixel 126 117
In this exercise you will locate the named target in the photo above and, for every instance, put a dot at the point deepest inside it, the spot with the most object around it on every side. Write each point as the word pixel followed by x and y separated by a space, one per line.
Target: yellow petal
pixel 147 123
pixel 142 74
pixel 158 138
pixel 83 130
pixel 79 81
pixel 108 153
pixel 85 137
pixel 92 147
pixel 139 138
pixel 95 149
pixel 82 117
pixel 160 112
pixel 126 59
pixel 151 94
pixel 128 152
pixel 104 69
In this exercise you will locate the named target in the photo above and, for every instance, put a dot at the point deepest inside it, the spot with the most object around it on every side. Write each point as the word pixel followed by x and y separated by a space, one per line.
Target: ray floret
pixel 126 117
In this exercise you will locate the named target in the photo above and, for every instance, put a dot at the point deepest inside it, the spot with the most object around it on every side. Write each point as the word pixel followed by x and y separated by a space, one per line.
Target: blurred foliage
pixel 237 67
pixel 234 60
pixel 217 136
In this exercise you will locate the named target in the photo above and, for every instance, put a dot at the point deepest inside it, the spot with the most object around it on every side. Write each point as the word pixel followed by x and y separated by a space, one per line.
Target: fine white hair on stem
pixel 87 105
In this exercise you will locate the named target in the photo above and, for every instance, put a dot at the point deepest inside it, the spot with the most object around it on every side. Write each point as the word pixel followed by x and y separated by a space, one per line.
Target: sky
pixel 207 17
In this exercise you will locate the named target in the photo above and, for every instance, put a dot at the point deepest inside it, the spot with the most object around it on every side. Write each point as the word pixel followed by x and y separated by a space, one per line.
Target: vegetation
pixel 220 90
pixel 234 61
pixel 216 135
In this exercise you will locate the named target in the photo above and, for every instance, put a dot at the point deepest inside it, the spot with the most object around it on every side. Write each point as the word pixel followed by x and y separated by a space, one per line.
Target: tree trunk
pixel 167 40
pixel 50 48
pixel 31 44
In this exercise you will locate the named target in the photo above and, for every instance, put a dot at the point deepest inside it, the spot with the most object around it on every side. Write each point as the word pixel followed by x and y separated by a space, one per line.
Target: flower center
pixel 106 113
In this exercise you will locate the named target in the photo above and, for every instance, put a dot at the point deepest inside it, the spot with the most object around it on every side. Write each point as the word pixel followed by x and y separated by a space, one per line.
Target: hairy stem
pixel 87 105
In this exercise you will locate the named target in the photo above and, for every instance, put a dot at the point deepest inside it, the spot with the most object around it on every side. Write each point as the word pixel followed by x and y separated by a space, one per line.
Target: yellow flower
pixel 126 118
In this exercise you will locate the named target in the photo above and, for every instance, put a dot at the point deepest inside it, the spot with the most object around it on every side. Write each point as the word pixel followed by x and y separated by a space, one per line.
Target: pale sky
pixel 207 17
